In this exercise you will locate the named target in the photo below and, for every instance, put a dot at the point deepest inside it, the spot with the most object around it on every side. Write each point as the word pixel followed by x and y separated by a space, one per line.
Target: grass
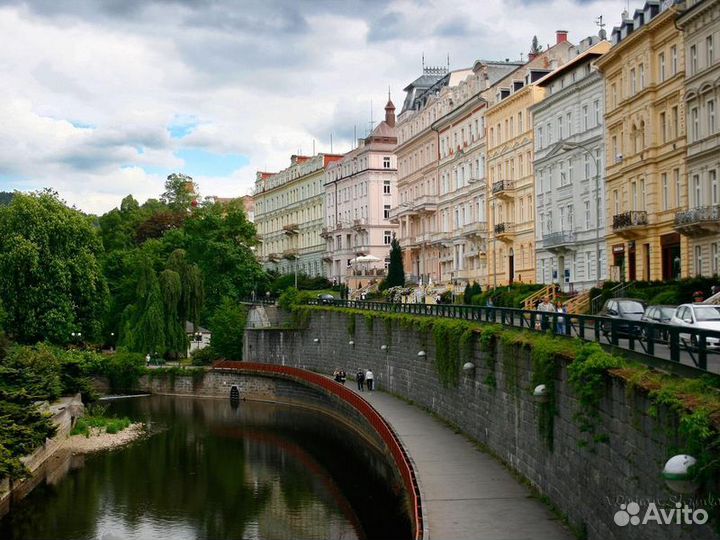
pixel 96 420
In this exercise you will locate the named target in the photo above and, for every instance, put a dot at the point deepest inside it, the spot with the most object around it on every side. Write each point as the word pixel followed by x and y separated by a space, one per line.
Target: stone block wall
pixel 586 483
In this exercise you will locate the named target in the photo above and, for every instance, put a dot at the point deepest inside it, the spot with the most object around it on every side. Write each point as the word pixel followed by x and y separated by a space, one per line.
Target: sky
pixel 104 98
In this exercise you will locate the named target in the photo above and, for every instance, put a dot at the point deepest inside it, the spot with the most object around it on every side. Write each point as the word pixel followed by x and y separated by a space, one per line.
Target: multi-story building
pixel 441 159
pixel 700 24
pixel 645 146
pixel 569 166
pixel 510 180
pixel 290 215
pixel 360 191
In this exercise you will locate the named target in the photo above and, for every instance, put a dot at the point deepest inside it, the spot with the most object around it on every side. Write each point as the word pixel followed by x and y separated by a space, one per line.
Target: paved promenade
pixel 465 492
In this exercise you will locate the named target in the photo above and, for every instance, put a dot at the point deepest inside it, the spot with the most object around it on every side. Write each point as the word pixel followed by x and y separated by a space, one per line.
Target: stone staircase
pixel 579 304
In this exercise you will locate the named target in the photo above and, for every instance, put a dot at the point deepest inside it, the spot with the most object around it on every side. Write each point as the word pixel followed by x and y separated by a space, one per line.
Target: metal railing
pixel 558 239
pixel 698 215
pixel 374 418
pixel 635 218
pixel 655 343
pixel 504 228
pixel 502 185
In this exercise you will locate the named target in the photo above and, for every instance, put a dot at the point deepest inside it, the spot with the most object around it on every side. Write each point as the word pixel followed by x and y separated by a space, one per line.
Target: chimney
pixel 560 36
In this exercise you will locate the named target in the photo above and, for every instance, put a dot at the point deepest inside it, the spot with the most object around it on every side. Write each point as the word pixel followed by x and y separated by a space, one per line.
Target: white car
pixel 699 316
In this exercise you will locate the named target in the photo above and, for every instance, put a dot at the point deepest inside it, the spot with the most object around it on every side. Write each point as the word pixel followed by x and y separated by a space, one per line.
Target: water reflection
pixel 216 471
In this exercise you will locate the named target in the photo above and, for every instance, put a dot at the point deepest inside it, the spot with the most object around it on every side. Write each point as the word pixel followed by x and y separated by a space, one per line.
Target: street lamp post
pixel 597 201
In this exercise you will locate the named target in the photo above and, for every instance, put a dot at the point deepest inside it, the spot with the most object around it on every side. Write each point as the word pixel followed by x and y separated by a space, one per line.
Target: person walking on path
pixel 370 379
pixel 360 378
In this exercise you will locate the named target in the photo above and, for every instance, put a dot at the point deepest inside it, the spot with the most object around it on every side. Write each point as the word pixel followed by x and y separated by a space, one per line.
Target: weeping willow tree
pixel 143 326
pixel 192 294
pixel 175 336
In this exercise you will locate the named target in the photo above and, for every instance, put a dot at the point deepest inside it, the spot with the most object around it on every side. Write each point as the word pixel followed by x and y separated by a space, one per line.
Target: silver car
pixel 701 317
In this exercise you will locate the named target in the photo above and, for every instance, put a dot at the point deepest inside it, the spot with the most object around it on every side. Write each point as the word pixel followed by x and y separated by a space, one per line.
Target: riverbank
pixel 99 440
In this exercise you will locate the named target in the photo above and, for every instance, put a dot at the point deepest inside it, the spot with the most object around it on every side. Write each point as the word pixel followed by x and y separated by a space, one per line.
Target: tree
pixel 396 273
pixel 143 328
pixel 535 47
pixel 51 282
pixel 227 325
pixel 176 339
pixel 180 192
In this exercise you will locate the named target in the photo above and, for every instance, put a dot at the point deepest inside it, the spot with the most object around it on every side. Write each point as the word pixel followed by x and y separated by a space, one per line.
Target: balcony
pixel 629 224
pixel 425 204
pixel 424 238
pixel 700 221
pixel 558 241
pixel 503 189
pixel 290 229
pixel 290 254
pixel 327 256
pixel 273 257
pixel 474 229
pixel 360 224
pixel 505 232
pixel 325 232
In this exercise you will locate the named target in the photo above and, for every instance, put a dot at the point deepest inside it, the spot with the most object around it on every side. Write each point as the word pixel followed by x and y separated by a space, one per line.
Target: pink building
pixel 360 190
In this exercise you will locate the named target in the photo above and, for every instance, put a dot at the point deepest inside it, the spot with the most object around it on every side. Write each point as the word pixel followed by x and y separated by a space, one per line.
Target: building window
pixel 596 104
pixel 585 117
pixel 714 258
pixel 676 122
pixel 676 174
pixel 663 127
pixel 386 187
pixel 697 191
pixel 540 137
pixel 387 237
pixel 665 191
pixel 695 121
pixel 568 117
pixel 673 60
pixel 698 260
pixel 709 55
pixel 714 195
pixel 711 116
pixel 633 82
pixel 641 69
pixel 386 163
pixel 586 204
pixel 693 60
pixel 560 128
pixel 386 211
pixel 661 64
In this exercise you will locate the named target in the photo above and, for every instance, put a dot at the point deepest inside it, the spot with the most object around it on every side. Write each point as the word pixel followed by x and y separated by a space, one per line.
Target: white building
pixel 290 215
pixel 569 166
pixel 360 190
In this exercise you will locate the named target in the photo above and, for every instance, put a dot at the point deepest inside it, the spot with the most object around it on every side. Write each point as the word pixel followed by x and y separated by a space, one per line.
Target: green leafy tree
pixel 171 289
pixel 51 283
pixel 396 273
pixel 144 326
pixel 180 192
pixel 228 326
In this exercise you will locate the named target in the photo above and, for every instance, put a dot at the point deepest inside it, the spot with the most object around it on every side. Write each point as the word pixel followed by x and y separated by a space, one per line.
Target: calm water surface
pixel 211 470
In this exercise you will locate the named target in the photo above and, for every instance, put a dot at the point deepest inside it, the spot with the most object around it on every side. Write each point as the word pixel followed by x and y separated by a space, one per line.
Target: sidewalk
pixel 465 492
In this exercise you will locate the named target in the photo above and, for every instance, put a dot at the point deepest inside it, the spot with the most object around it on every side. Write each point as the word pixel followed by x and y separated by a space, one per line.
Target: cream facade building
pixel 569 172
pixel 645 145
pixel 511 180
pixel 700 23
pixel 360 191
pixel 290 215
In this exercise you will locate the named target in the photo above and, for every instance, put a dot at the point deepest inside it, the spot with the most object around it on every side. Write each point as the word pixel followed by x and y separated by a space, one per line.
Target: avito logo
pixel 629 514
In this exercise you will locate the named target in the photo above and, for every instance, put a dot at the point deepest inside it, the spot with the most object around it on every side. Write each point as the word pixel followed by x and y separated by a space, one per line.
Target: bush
pixel 228 327
pixel 293 297
pixel 204 357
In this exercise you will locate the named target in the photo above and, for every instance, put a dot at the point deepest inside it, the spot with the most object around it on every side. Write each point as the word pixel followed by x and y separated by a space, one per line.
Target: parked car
pixel 698 316
pixel 658 314
pixel 626 311
pixel 326 298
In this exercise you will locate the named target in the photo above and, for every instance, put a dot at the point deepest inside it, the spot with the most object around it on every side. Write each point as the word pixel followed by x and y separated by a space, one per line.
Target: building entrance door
pixel 511 266
pixel 632 264
pixel 671 256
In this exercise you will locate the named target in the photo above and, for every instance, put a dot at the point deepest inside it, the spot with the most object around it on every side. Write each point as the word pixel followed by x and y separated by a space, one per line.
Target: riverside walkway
pixel 465 492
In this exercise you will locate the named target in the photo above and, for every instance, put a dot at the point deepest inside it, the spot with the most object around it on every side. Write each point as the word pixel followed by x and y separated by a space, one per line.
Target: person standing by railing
pixel 369 379
pixel 545 307
pixel 561 318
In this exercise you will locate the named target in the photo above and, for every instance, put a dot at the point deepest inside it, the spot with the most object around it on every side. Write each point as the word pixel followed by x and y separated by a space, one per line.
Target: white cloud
pixel 262 80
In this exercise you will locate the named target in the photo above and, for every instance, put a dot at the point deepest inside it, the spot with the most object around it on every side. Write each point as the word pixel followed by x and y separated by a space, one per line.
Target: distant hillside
pixel 6 197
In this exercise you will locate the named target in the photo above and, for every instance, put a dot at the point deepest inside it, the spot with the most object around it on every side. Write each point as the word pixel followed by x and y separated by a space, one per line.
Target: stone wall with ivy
pixel 599 441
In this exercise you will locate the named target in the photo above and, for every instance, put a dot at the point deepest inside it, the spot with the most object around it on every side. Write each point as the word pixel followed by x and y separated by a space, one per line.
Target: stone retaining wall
pixel 587 483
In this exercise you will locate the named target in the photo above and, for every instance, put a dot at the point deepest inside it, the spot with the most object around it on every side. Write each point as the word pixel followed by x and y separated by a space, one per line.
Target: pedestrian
pixel 343 376
pixel 370 379
pixel 561 319
pixel 546 307
pixel 360 378
pixel 336 375
pixel 147 359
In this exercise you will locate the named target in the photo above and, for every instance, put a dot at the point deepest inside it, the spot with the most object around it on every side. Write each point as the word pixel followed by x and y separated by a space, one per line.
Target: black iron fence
pixel 662 342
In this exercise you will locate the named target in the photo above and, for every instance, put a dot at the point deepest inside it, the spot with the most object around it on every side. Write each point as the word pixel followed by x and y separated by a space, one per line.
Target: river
pixel 212 469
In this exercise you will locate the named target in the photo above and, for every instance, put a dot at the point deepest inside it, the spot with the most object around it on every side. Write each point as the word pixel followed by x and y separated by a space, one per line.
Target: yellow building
pixel 511 179
pixel 646 185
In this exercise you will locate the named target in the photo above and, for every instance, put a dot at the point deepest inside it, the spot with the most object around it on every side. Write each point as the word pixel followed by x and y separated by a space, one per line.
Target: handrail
pixel 386 432
pixel 548 290
pixel 677 348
